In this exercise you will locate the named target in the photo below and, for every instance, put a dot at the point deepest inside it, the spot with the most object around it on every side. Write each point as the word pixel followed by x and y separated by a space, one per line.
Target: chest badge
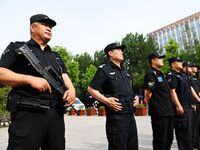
pixel 112 73
pixel 160 79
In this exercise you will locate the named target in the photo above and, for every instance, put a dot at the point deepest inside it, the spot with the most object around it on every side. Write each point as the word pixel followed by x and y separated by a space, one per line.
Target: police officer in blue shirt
pixel 183 93
pixel 157 93
pixel 111 86
pixel 37 119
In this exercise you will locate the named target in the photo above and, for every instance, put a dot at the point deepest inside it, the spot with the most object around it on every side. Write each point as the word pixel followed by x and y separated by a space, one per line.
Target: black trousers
pixel 162 132
pixel 121 132
pixel 183 129
pixel 35 129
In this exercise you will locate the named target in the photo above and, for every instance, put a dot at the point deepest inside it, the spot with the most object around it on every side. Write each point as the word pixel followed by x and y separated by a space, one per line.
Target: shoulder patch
pixel 5 51
pixel 101 66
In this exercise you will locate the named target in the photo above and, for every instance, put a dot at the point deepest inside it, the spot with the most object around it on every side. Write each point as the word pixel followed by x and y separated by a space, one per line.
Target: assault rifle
pixel 49 73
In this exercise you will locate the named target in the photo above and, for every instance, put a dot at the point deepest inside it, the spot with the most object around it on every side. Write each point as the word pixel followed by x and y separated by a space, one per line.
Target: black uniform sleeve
pixel 8 57
pixel 149 81
pixel 98 80
pixel 172 81
pixel 60 62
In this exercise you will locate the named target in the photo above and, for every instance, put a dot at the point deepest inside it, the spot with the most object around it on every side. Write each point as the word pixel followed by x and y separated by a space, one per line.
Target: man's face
pixel 187 70
pixel 157 62
pixel 116 54
pixel 177 65
pixel 41 31
pixel 194 69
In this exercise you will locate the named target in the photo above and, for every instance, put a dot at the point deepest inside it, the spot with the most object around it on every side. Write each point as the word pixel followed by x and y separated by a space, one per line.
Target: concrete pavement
pixel 88 133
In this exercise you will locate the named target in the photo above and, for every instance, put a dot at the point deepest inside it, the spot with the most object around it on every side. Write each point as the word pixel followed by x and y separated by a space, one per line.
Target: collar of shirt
pixel 34 43
pixel 115 66
pixel 157 71
pixel 180 73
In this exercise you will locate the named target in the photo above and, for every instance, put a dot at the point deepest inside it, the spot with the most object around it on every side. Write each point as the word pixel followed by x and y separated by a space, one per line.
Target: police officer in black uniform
pixel 111 86
pixel 157 93
pixel 183 93
pixel 188 70
pixel 32 127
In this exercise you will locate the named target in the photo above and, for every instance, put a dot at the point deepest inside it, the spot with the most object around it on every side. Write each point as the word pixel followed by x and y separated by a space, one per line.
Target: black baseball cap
pixel 112 46
pixel 155 55
pixel 42 18
pixel 173 59
pixel 187 64
pixel 194 65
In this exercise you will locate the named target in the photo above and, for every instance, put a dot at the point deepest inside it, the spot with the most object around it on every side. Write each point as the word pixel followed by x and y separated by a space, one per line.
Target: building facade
pixel 184 32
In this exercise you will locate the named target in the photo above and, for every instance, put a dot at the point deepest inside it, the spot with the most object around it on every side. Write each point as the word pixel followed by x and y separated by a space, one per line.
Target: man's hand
pixel 69 96
pixel 179 110
pixel 194 107
pixel 114 104
pixel 135 101
pixel 39 83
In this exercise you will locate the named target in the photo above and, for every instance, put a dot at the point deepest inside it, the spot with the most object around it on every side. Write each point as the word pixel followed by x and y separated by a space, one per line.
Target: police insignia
pixel 112 73
pixel 150 84
pixel 169 80
pixel 5 51
pixel 101 66
pixel 160 79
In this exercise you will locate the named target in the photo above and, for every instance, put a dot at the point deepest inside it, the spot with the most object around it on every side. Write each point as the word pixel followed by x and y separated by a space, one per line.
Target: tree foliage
pixel 171 50
pixel 99 58
pixel 84 60
pixel 137 49
pixel 3 99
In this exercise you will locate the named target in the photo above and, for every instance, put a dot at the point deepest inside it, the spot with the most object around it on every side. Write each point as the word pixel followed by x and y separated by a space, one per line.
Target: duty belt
pixel 127 106
pixel 37 103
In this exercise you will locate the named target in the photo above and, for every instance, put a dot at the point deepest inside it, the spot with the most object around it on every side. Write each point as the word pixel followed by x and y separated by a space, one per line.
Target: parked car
pixel 78 105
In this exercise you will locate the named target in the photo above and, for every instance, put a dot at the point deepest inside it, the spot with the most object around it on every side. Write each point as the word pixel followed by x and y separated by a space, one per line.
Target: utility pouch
pixel 12 101
pixel 180 122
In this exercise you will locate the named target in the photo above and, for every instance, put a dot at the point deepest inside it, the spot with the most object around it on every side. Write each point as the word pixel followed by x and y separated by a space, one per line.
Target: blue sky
pixel 89 25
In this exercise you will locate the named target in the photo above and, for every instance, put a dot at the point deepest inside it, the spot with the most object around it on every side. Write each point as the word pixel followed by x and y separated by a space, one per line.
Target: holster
pixel 12 101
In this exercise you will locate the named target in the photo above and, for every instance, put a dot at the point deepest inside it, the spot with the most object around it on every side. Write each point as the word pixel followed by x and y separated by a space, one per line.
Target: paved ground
pixel 88 133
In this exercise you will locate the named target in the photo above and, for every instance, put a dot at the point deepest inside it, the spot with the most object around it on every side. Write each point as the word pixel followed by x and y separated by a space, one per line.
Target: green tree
pixel 171 50
pixel 137 49
pixel 197 54
pixel 62 51
pixel 71 65
pixel 3 99
pixel 87 77
pixel 99 58
pixel 84 60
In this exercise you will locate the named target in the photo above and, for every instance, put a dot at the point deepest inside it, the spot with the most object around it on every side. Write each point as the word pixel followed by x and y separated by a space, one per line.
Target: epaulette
pixel 18 42
pixel 101 66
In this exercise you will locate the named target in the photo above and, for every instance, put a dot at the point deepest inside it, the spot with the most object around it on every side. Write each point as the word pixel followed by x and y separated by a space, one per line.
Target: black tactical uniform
pixel 196 114
pixel 43 127
pixel 121 129
pixel 160 109
pixel 182 123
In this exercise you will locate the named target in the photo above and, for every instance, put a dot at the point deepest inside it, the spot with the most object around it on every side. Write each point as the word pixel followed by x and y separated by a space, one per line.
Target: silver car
pixel 78 105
